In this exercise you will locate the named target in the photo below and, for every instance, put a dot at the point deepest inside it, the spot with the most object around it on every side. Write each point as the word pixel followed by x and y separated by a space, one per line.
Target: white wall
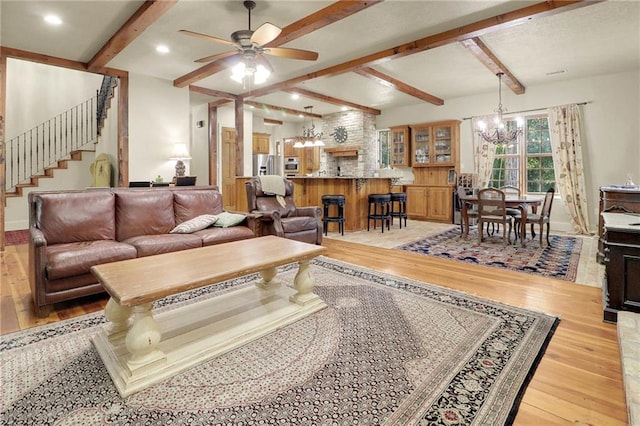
pixel 200 144
pixel 158 119
pixel 611 126
pixel 37 93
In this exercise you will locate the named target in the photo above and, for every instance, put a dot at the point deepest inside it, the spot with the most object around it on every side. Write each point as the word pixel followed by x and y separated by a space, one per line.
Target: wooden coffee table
pixel 140 347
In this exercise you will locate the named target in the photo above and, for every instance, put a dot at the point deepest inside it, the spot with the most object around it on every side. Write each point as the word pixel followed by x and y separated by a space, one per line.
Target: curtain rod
pixel 530 110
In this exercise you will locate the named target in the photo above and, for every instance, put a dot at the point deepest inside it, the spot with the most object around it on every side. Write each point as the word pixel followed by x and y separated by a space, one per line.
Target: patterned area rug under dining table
pixel 558 260
pixel 387 351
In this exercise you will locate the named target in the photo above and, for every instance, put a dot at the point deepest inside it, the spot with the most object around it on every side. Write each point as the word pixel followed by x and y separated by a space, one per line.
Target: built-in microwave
pixel 291 166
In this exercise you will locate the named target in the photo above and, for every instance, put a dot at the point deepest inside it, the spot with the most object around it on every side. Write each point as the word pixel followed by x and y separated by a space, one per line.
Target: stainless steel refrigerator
pixel 266 164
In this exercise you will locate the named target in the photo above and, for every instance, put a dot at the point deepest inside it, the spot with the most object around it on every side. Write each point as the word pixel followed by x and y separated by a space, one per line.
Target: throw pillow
pixel 195 224
pixel 226 219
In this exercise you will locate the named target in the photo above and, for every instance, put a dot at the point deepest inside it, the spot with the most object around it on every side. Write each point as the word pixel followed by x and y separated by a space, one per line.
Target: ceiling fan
pixel 250 46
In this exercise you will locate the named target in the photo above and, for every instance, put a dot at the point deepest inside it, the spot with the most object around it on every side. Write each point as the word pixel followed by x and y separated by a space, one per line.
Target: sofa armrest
pixel 37 265
pixel 270 220
pixel 252 221
pixel 313 211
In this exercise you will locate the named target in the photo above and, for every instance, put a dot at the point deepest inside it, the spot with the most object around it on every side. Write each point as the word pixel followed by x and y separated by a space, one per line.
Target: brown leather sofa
pixel 70 231
pixel 288 221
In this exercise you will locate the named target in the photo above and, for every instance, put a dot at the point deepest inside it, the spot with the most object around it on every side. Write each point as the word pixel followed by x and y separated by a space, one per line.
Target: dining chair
pixel 541 219
pixel 492 209
pixel 472 211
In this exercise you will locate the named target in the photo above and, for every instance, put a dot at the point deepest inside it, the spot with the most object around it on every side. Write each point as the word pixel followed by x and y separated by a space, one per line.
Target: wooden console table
pixel 621 287
pixel 140 348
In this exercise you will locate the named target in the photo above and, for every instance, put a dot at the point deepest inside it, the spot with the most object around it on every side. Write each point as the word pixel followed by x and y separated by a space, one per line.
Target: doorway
pixel 228 168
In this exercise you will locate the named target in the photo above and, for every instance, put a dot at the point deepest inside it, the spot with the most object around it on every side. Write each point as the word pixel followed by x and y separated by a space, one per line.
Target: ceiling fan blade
pixel 287 52
pixel 265 33
pixel 217 56
pixel 208 37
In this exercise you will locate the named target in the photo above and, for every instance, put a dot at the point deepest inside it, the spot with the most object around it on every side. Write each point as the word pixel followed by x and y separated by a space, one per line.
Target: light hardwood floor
pixel 578 381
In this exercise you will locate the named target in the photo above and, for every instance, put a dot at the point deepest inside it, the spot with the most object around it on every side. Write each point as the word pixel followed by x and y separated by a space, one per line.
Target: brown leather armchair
pixel 288 221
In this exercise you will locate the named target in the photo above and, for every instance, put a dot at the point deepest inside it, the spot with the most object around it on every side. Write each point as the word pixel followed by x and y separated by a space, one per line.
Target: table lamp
pixel 180 153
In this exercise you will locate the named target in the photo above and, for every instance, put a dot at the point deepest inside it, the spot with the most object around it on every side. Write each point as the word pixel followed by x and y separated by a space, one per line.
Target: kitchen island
pixel 308 191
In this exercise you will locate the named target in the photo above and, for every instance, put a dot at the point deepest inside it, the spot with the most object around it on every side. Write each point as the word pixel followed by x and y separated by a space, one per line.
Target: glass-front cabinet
pixel 434 144
pixel 399 146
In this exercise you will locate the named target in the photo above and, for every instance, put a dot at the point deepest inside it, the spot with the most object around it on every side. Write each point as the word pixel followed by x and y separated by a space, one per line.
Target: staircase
pixel 37 153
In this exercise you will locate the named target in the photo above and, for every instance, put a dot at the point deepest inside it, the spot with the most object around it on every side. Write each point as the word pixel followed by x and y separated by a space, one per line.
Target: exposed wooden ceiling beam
pixel 212 92
pixel 218 103
pixel 475 29
pixel 272 121
pixel 389 81
pixel 328 15
pixel 282 109
pixel 146 15
pixel 58 62
pixel 332 100
pixel 482 52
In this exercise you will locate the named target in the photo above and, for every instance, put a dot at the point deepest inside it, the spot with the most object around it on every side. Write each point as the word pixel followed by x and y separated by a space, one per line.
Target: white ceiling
pixel 597 39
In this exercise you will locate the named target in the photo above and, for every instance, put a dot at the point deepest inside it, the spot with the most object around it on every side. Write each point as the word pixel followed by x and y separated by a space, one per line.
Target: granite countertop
pixel 622 221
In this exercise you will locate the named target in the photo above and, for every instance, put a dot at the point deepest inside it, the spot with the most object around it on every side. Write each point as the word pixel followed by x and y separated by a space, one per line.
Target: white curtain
pixel 566 143
pixel 483 153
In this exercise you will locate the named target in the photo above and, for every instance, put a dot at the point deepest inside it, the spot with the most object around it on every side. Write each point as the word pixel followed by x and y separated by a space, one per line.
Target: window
pixel 384 157
pixel 527 164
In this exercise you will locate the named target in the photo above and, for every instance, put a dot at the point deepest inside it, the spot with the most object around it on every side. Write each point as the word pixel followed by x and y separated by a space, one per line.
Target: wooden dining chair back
pixel 492 209
pixel 472 212
pixel 542 219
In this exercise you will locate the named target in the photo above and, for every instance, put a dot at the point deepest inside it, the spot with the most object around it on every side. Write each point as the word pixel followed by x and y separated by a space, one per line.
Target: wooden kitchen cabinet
pixel 416 202
pixel 430 202
pixel 261 143
pixel 309 159
pixel 289 150
pixel 435 144
pixel 399 148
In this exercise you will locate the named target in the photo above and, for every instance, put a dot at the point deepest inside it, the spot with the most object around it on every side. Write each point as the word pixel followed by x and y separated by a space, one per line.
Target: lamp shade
pixel 180 152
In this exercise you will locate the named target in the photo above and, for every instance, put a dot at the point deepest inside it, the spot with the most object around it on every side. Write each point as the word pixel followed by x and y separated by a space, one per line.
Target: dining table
pixel 521 202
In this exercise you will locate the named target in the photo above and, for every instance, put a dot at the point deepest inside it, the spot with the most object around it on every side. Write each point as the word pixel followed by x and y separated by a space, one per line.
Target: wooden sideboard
pixel 615 200
pixel 621 287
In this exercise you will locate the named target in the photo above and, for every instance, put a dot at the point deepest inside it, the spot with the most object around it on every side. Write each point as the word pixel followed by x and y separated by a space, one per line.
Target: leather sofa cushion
pixel 76 216
pixel 70 259
pixel 148 245
pixel 299 223
pixel 189 204
pixel 211 236
pixel 143 213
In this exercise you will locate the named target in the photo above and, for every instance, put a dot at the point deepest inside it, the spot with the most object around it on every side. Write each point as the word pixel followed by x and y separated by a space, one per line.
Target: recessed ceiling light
pixel 161 48
pixel 53 20
pixel 295 96
pixel 344 108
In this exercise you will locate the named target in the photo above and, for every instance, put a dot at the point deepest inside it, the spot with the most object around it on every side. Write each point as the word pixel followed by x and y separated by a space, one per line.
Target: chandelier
pixel 499 134
pixel 309 136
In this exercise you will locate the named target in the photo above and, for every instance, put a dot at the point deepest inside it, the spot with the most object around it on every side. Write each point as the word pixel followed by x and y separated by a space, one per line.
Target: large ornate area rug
pixel 387 351
pixel 558 260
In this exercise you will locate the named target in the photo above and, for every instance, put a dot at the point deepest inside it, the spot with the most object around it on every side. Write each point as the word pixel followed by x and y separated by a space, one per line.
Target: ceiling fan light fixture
pixel 246 71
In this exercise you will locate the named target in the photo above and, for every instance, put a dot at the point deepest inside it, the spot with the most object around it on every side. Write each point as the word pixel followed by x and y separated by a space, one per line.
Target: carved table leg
pixel 119 317
pixel 268 282
pixel 143 337
pixel 303 284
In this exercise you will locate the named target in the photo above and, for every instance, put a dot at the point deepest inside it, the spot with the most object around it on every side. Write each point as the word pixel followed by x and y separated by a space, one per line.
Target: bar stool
pixel 333 199
pixel 379 200
pixel 401 199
